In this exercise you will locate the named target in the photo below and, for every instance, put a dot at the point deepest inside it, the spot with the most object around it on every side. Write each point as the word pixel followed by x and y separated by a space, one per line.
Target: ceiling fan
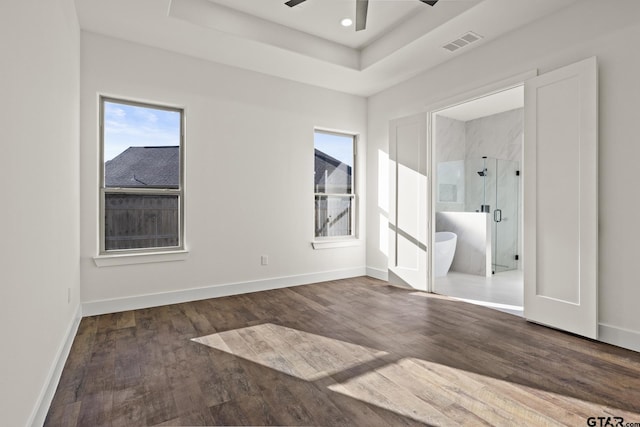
pixel 361 10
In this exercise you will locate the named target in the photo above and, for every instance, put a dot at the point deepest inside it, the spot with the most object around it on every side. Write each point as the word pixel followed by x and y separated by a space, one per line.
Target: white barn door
pixel 560 199
pixel 408 196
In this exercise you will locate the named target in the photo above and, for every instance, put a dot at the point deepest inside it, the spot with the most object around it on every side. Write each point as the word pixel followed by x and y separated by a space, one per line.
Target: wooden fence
pixel 333 216
pixel 135 221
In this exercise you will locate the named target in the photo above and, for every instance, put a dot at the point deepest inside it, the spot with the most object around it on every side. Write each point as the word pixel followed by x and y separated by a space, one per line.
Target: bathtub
pixel 443 252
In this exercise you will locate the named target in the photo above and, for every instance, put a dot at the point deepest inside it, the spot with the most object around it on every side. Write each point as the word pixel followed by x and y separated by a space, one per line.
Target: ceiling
pixel 321 18
pixel 306 43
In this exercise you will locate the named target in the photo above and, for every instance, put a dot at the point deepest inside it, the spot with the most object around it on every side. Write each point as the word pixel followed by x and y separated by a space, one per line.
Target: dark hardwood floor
pixel 348 352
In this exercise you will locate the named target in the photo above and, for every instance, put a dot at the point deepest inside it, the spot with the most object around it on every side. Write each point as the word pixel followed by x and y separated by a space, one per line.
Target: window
pixel 334 184
pixel 141 186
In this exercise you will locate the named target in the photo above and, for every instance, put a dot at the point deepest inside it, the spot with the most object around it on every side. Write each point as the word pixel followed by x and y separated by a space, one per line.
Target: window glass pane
pixel 333 216
pixel 141 146
pixel 333 163
pixel 134 221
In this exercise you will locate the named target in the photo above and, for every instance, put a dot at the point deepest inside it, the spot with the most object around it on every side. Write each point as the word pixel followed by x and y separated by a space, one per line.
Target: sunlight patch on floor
pixel 301 354
pixel 437 394
pixel 424 391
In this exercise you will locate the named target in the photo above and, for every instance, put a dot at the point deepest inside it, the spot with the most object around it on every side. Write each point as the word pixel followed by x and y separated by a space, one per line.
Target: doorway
pixel 477 149
pixel 560 194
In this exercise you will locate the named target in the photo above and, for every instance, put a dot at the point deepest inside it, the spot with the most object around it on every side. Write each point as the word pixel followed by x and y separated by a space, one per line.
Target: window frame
pixel 104 191
pixel 353 195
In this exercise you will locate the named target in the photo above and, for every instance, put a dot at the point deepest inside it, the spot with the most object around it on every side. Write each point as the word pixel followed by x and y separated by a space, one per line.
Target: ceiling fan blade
pixel 430 2
pixel 292 3
pixel 361 14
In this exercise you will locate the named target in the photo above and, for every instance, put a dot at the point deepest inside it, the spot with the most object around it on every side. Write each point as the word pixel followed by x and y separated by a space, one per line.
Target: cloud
pixel 129 126
pixel 112 111
pixel 146 115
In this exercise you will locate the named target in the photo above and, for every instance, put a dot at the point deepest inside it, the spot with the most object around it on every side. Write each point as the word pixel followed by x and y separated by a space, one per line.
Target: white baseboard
pixel 620 337
pixel 55 372
pixel 376 273
pixel 92 308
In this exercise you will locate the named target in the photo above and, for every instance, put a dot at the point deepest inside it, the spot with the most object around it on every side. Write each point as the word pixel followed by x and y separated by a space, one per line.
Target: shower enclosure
pixel 493 186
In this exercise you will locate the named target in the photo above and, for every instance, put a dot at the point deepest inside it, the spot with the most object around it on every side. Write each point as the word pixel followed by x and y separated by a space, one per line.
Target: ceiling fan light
pixel 346 22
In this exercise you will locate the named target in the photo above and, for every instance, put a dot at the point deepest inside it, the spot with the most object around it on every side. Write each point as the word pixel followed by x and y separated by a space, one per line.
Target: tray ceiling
pixel 306 43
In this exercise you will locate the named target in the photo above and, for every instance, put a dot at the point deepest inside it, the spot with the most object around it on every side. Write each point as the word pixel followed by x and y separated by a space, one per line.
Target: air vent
pixel 462 41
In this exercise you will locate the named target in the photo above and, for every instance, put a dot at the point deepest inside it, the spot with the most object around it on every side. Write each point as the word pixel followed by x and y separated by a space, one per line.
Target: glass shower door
pixel 505 215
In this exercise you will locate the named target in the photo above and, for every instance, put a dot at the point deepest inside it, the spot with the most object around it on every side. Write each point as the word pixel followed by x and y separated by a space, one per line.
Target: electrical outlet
pixel 264 260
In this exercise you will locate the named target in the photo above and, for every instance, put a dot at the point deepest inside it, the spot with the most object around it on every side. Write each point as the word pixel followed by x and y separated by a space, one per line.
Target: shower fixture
pixel 483 172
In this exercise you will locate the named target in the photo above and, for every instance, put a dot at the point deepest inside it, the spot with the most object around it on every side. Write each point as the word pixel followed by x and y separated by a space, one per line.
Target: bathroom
pixel 478 200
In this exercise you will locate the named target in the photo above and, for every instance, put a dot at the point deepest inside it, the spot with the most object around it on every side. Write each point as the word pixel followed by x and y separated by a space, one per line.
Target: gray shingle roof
pixel 331 175
pixel 159 167
pixel 144 167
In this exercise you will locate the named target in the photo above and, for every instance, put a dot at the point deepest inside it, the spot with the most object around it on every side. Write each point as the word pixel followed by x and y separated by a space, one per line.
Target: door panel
pixel 408 186
pixel 408 201
pixel 560 204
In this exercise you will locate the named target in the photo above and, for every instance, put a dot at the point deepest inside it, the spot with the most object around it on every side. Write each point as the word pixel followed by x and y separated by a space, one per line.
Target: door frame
pixel 432 110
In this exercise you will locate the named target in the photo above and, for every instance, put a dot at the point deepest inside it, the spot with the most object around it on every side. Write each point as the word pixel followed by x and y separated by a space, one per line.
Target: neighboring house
pixel 142 220
pixel 331 175
pixel 144 167
pixel 333 213
pixel 157 217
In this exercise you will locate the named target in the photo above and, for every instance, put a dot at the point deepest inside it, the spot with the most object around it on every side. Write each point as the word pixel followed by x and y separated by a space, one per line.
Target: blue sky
pixel 337 146
pixel 132 126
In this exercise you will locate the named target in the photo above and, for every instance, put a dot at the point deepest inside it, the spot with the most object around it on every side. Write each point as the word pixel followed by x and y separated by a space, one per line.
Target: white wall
pixel 249 173
pixel 39 116
pixel 609 30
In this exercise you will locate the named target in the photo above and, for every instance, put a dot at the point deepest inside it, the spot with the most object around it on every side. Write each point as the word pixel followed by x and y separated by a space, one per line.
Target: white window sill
pixel 330 244
pixel 139 258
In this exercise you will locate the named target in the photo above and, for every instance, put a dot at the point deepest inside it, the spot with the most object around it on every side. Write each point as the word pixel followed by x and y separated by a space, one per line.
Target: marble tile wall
pixel 450 134
pixel 450 191
pixel 499 136
pixel 479 190
pixel 473 248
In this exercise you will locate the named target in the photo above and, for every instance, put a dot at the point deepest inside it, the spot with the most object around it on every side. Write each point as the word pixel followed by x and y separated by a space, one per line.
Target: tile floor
pixel 502 291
